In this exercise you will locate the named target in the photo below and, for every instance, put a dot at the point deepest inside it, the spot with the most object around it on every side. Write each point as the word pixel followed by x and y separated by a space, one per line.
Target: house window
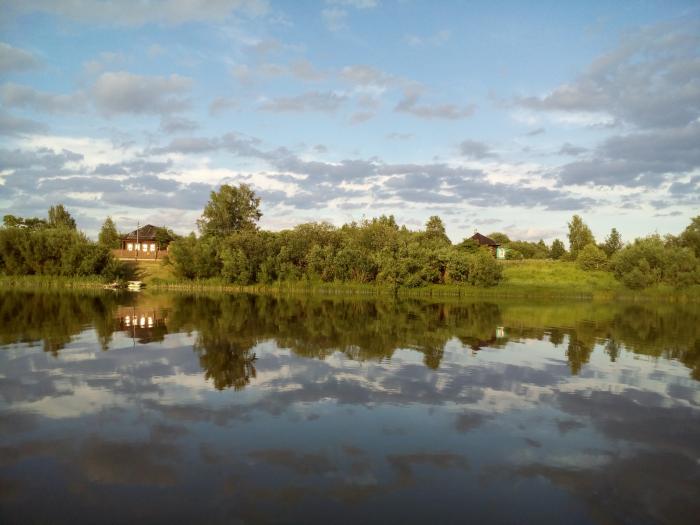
pixel 153 247
pixel 130 247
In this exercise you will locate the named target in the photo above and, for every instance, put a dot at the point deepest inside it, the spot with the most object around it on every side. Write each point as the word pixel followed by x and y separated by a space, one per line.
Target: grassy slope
pixel 555 277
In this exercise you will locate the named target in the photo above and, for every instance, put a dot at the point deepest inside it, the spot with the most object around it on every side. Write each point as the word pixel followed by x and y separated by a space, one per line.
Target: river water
pixel 175 408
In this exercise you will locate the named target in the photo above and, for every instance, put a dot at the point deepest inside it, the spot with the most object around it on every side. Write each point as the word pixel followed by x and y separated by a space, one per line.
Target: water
pixel 243 409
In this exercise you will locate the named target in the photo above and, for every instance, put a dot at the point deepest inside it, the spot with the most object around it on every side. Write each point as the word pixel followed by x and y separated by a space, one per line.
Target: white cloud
pixel 139 12
pixel 410 103
pixel 122 92
pixel 19 96
pixel 326 102
pixel 15 59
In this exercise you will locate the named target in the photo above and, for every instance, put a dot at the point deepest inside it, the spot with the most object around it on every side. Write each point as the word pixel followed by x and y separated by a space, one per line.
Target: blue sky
pixel 497 116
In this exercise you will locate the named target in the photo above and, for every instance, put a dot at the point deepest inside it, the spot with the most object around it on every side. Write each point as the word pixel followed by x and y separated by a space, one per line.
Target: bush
pixel 458 267
pixel 235 267
pixel 528 250
pixel 513 255
pixel 52 251
pixel 194 258
pixel 484 270
pixel 591 258
pixel 650 261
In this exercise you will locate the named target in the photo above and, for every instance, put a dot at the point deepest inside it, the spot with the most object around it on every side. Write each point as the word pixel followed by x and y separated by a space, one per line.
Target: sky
pixel 496 116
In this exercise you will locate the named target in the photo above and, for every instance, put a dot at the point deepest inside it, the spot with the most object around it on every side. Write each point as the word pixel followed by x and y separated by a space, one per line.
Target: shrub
pixel 51 251
pixel 484 270
pixel 650 261
pixel 514 255
pixel 235 266
pixel 458 267
pixel 591 258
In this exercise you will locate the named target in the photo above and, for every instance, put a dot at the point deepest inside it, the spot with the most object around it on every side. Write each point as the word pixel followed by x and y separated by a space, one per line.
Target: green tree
pixel 435 230
pixel 469 245
pixel 108 235
pixel 484 270
pixel 14 221
pixel 164 236
pixel 529 250
pixel 579 236
pixel 500 238
pixel 648 261
pixel 514 255
pixel 60 218
pixel 558 250
pixel 591 258
pixel 613 243
pixel 229 210
pixel 690 238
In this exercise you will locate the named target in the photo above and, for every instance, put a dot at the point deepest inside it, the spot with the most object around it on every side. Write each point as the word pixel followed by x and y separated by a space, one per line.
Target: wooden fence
pixel 140 255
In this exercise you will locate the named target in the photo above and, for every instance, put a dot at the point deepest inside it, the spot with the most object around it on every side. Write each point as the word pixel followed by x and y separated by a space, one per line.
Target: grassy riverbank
pixel 529 279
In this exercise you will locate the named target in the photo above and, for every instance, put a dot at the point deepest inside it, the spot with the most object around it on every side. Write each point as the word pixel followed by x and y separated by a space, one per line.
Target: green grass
pixel 536 277
pixel 50 281
pixel 151 271
pixel 531 279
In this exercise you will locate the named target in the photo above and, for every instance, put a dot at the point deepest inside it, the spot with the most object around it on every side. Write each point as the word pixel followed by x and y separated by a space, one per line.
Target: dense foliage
pixel 372 251
pixel 54 247
pixel 591 258
pixel 650 261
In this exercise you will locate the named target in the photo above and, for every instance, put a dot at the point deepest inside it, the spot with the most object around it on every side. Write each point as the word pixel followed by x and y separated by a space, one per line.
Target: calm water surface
pixel 243 409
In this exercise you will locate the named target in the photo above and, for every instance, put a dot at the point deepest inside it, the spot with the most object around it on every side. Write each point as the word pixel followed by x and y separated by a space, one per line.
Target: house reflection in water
pixel 145 325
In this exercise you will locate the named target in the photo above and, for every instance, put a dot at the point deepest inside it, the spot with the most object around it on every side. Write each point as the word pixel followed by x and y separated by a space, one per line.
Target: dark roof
pixel 483 240
pixel 146 233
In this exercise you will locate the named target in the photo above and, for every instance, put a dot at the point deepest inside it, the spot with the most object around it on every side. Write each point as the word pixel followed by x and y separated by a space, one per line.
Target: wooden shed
pixel 496 249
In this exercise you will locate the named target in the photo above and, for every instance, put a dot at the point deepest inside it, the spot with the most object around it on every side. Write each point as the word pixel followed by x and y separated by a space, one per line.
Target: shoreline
pixel 504 290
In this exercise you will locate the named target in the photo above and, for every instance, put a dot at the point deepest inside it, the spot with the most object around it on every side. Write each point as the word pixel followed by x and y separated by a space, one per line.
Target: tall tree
pixel 60 218
pixel 613 243
pixel 109 236
pixel 579 236
pixel 435 230
pixel 557 251
pixel 229 210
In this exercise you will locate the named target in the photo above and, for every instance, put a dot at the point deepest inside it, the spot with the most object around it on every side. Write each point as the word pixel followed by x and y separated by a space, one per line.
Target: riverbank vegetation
pixel 378 251
pixel 53 247
pixel 378 254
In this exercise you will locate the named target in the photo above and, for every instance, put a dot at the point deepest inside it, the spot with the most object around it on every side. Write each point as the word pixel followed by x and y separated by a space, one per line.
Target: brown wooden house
pixel 141 243
pixel 496 249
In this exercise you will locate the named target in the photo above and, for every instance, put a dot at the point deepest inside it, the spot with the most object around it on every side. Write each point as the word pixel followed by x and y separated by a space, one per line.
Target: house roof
pixel 483 240
pixel 145 233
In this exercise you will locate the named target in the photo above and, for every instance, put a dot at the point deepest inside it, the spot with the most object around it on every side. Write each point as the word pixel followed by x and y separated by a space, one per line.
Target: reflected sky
pixel 237 408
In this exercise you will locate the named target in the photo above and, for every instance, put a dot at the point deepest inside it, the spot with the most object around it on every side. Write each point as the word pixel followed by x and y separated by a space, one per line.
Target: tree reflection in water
pixel 228 328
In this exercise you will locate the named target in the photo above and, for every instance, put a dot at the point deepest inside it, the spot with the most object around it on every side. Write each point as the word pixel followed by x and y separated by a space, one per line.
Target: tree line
pixel 53 246
pixel 232 248
pixel 378 250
